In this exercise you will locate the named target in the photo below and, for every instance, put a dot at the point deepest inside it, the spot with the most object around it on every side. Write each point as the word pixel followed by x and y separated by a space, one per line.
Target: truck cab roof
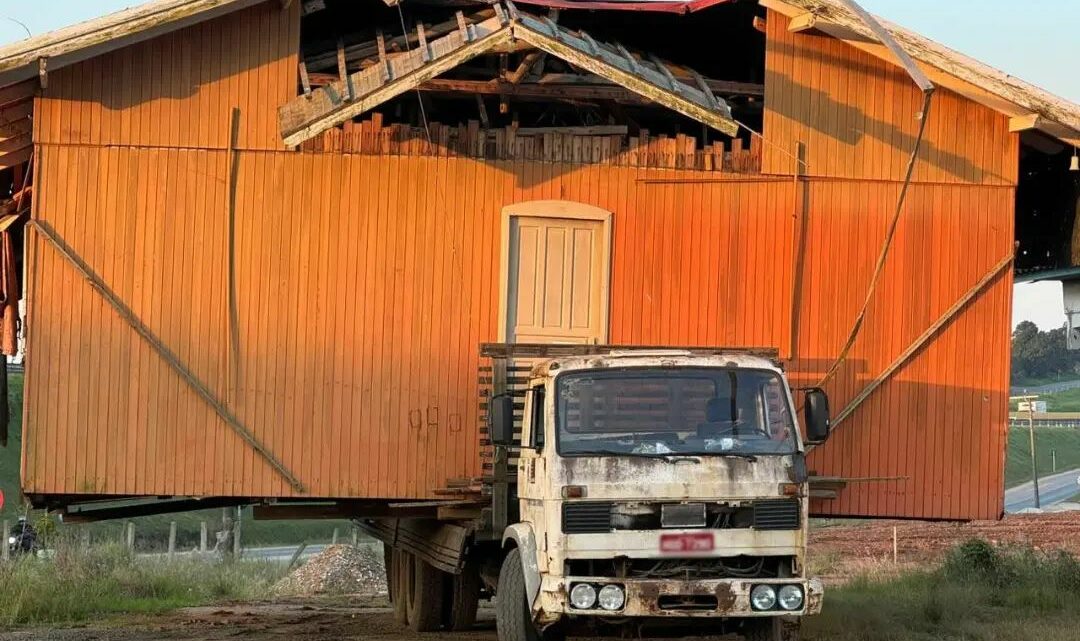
pixel 648 357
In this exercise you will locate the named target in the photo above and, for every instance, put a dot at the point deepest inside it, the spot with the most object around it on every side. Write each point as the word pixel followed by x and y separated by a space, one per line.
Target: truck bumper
pixel 677 599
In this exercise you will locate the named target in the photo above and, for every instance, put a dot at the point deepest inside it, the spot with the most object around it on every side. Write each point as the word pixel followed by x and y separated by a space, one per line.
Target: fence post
pixel 236 532
pixel 333 541
pixel 202 537
pixel 130 535
pixel 355 537
pixel 172 539
pixel 7 535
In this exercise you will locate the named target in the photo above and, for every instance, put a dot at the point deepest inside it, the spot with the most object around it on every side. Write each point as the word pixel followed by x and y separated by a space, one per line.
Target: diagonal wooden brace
pixel 125 312
pixel 922 340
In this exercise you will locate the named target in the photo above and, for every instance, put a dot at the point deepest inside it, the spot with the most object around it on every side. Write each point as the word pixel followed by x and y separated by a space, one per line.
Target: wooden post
pixel 296 555
pixel 7 535
pixel 227 529
pixel 333 540
pixel 203 537
pixel 129 538
pixel 172 539
pixel 895 547
pixel 236 533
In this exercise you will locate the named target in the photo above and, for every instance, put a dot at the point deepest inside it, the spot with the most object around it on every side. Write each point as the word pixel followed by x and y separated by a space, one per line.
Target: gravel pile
pixel 339 569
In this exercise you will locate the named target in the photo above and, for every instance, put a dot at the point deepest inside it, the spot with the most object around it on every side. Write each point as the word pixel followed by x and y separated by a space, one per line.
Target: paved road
pixel 1044 389
pixel 1052 489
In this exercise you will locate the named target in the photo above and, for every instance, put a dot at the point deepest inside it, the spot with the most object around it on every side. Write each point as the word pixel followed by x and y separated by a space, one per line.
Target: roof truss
pixel 307 116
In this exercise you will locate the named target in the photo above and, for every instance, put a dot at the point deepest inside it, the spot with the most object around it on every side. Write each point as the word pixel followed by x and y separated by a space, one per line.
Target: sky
pixel 1040 46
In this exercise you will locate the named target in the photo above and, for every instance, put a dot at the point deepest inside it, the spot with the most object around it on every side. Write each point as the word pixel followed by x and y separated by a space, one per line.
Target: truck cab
pixel 658 490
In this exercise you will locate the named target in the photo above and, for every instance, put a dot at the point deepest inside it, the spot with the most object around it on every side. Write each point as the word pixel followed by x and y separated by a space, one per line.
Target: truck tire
pixel 513 620
pixel 423 595
pixel 772 629
pixel 396 580
pixel 461 598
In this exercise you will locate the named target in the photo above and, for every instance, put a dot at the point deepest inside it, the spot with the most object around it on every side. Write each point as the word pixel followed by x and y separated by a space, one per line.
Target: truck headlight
pixel 612 597
pixel 583 596
pixel 790 597
pixel 763 597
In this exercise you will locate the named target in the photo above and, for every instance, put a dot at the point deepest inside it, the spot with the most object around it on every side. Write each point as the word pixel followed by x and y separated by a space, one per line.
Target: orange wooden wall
pixel 367 282
pixel 857 117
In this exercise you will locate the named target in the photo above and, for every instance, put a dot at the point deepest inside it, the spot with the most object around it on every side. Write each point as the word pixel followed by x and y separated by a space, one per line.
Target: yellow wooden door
pixel 557 291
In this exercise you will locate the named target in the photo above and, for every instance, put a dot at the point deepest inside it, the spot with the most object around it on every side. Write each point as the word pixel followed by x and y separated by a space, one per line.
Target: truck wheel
pixel 772 629
pixel 423 595
pixel 513 619
pixel 461 598
pixel 396 580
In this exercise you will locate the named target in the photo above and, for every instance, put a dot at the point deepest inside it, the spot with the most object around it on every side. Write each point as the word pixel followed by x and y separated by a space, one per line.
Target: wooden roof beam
pixel 1024 123
pixel 305 117
pixel 624 70
pixel 803 22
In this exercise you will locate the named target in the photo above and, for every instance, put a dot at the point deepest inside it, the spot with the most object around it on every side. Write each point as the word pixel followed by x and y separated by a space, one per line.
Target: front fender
pixel 523 537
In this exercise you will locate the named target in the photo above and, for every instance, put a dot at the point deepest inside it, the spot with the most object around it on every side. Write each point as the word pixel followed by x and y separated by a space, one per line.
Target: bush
pixel 979 592
pixel 77 584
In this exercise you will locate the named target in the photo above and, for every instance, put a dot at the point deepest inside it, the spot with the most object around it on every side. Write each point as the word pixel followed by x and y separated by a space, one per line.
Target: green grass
pixel 980 593
pixel 1040 381
pixel 78 584
pixel 152 531
pixel 1064 441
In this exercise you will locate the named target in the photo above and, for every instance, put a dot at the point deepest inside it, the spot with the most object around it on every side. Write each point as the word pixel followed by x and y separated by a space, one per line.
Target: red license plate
pixel 683 543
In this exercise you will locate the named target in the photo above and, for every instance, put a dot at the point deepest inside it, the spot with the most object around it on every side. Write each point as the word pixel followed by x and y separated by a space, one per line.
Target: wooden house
pixel 264 240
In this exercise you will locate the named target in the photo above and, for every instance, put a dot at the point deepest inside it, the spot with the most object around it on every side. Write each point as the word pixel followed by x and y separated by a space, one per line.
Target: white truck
pixel 656 491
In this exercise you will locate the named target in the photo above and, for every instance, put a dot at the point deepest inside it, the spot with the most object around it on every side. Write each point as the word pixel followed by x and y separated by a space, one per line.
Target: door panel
pixel 556 290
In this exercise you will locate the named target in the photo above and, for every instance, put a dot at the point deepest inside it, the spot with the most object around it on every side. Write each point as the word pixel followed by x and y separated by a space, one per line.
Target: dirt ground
pixel 838 551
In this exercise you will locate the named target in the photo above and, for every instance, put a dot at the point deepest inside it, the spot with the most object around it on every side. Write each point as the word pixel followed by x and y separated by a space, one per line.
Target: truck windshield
pixel 686 411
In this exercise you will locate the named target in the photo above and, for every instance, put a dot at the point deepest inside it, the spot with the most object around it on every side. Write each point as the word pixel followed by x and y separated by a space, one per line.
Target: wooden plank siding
pixel 857 117
pixel 366 282
pixel 178 90
pixel 360 317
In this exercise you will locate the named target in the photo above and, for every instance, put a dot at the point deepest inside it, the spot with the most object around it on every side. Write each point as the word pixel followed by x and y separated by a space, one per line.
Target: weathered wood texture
pixel 178 90
pixel 857 117
pixel 366 282
pixel 680 151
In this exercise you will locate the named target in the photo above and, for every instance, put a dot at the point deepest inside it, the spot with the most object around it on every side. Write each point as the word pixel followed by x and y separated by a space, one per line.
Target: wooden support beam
pixel 301 119
pixel 383 60
pixel 685 100
pixel 305 80
pixel 595 130
pixel 463 27
pixel 524 67
pixel 923 339
pixel 803 22
pixel 16 143
pixel 18 92
pixel 1024 123
pixel 676 86
pixel 47 233
pixel 482 110
pixel 43 72
pixel 630 59
pixel 343 71
pixel 705 89
pixel 534 91
pixel 421 38
pixel 15 158
pixel 16 128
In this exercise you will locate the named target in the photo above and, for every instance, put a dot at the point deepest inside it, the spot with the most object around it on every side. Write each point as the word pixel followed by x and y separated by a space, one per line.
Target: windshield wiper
pixel 749 457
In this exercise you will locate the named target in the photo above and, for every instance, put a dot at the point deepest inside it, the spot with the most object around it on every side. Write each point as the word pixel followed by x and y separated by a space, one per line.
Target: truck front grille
pixel 779 514
pixel 586 518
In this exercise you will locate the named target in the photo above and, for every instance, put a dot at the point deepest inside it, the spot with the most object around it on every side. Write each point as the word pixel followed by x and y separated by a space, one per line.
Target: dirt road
pixel 319 620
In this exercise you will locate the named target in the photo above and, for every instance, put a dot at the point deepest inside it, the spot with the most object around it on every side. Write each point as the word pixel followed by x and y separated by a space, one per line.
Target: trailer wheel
pixel 772 629
pixel 461 598
pixel 513 620
pixel 396 582
pixel 423 591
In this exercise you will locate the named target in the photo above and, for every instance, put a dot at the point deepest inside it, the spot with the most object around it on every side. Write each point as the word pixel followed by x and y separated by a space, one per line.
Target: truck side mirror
pixel 816 411
pixel 501 420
